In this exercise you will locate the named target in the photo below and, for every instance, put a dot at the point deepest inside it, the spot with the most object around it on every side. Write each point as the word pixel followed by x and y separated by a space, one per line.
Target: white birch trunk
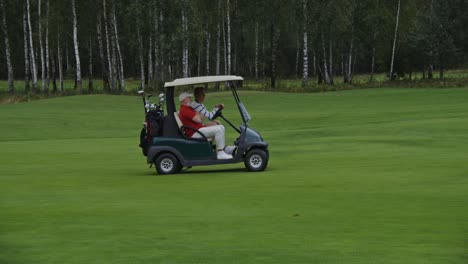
pixel 11 85
pixel 324 62
pixel 199 60
pixel 108 43
pixel 228 24
pixel 208 40
pixel 31 46
pixel 47 55
pixel 392 75
pixel 27 66
pixel 41 46
pixel 60 67
pixel 105 80
pixel 256 51
pixel 75 44
pixel 119 54
pixel 185 48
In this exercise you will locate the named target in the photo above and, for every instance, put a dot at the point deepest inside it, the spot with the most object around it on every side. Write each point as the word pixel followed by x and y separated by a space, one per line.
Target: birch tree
pixel 31 46
pixel 11 85
pixel 76 48
pixel 108 49
pixel 105 79
pixel 392 74
pixel 27 66
pixel 185 41
pixel 60 64
pixel 47 55
pixel 305 51
pixel 41 46
pixel 228 29
pixel 119 53
pixel 256 51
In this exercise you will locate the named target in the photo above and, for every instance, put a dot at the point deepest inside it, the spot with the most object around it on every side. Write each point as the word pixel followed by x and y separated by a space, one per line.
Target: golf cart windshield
pixel 244 112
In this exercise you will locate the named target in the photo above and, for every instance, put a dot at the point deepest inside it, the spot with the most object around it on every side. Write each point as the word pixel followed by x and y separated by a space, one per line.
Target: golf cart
pixel 166 146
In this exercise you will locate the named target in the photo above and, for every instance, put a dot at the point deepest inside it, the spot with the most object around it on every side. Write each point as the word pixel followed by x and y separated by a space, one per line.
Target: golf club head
pixel 161 97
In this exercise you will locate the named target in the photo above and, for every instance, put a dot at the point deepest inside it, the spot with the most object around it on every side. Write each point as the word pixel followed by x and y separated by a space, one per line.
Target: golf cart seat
pixel 182 130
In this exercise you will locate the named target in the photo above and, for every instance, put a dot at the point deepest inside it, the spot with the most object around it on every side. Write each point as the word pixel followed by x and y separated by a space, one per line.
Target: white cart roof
pixel 203 80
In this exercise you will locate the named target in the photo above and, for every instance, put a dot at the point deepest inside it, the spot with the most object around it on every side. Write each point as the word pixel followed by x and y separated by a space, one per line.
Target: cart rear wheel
pixel 167 164
pixel 256 160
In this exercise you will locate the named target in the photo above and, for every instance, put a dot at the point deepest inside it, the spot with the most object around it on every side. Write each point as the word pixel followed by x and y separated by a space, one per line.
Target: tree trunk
pixel 31 46
pixel 142 62
pixel 305 51
pixel 256 51
pixel 208 40
pixel 324 62
pixel 105 79
pixel 228 25
pixel 27 66
pixel 77 52
pixel 263 55
pixel 331 62
pixel 314 62
pixel 349 74
pixel 54 72
pixel 108 43
pixel 218 48
pixel 225 50
pixel 119 54
pixel 274 47
pixel 11 85
pixel 47 56
pixel 430 72
pixel 185 47
pixel 150 60
pixel 41 46
pixel 199 60
pixel 60 67
pixel 90 66
pixel 373 57
pixel 392 74
pixel 296 68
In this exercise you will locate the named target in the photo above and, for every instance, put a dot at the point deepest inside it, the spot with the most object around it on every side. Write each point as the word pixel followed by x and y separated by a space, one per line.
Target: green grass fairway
pixel 361 176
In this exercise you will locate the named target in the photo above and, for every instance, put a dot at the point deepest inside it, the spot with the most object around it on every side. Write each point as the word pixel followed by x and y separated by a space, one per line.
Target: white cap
pixel 184 95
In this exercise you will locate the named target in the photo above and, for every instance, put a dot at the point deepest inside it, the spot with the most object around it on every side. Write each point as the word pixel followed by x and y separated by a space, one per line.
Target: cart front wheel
pixel 167 164
pixel 256 160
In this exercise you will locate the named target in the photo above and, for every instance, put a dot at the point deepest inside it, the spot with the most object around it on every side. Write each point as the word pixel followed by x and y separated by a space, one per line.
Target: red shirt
pixel 186 114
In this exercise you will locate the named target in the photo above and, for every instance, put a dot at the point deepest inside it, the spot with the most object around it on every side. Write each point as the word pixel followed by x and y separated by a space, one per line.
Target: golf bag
pixel 153 125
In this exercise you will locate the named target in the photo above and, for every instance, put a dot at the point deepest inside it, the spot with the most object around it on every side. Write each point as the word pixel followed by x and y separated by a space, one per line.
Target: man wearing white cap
pixel 191 118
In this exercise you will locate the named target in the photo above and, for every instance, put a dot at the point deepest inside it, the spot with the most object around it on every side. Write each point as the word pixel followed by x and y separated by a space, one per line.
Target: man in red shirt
pixel 189 117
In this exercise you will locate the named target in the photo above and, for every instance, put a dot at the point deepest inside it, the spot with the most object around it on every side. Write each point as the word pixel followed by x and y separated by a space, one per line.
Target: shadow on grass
pixel 192 171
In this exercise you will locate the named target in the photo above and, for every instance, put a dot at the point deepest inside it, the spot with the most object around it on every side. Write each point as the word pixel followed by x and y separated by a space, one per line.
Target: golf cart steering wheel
pixel 218 114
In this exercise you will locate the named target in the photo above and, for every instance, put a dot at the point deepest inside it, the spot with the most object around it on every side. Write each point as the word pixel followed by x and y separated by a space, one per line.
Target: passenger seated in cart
pixel 191 118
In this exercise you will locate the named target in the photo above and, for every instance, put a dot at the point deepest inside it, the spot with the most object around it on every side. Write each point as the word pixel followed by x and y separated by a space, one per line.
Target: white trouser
pixel 213 131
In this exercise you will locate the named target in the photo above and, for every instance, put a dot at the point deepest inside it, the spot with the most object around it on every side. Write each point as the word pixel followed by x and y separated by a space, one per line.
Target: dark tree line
pixel 46 41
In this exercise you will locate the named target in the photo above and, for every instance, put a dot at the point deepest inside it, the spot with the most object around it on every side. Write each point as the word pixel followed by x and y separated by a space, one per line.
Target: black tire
pixel 256 160
pixel 167 164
